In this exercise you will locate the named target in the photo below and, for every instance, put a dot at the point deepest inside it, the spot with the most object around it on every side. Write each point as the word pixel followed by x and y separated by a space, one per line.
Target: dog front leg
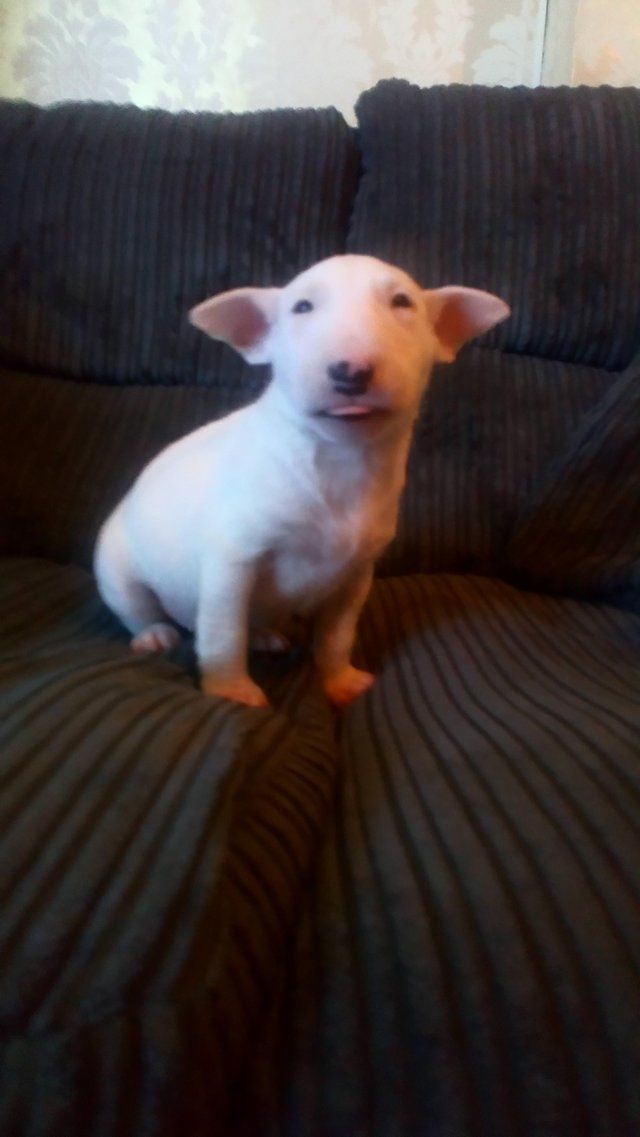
pixel 334 636
pixel 222 630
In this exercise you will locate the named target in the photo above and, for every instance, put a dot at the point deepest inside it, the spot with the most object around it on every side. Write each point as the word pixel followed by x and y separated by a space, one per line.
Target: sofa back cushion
pixel 70 451
pixel 114 221
pixel 579 530
pixel 492 425
pixel 532 194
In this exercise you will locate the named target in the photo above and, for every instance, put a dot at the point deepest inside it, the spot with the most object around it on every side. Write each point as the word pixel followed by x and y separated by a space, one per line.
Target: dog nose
pixel 349 380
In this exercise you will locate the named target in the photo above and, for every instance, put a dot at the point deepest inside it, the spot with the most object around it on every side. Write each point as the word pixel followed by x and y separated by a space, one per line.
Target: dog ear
pixel 460 314
pixel 242 318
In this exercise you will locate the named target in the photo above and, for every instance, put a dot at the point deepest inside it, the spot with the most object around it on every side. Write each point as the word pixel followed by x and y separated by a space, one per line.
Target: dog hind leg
pixel 134 603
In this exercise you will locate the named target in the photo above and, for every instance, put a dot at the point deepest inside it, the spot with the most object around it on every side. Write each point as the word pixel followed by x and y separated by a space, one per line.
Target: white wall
pixel 607 42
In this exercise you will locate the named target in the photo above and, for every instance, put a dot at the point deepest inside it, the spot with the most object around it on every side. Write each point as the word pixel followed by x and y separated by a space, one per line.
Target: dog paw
pixel 346 685
pixel 241 690
pixel 157 637
pixel 272 642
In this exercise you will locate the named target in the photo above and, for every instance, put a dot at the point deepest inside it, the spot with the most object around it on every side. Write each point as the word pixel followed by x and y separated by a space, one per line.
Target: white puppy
pixel 282 507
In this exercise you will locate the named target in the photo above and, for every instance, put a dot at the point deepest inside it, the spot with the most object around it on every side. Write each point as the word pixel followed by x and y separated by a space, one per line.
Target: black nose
pixel 347 381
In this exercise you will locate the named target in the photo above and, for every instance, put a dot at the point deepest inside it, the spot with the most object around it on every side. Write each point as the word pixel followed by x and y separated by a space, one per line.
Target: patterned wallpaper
pixel 246 54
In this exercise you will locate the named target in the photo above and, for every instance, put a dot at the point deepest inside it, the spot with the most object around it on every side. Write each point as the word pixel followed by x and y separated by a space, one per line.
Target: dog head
pixel 351 340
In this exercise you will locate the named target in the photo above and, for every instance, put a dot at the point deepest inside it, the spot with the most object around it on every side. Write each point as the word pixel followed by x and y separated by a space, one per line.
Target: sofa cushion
pixel 116 220
pixel 491 425
pixel 580 530
pixel 69 451
pixel 529 193
pixel 469 958
pixel 153 848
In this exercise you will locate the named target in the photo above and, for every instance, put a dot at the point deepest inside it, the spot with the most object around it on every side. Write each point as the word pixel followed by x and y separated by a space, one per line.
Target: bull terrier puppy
pixel 282 507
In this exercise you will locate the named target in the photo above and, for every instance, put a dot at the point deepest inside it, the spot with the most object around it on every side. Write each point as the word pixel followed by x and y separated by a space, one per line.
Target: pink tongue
pixel 350 409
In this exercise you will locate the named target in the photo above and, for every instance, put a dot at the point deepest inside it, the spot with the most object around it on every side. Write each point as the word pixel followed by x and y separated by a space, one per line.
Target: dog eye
pixel 401 300
pixel 302 306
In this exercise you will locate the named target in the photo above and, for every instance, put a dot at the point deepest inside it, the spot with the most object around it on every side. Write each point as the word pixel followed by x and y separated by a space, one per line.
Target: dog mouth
pixel 352 411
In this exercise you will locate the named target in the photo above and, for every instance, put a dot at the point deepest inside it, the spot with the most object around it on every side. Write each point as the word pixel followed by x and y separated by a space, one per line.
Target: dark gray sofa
pixel 420 918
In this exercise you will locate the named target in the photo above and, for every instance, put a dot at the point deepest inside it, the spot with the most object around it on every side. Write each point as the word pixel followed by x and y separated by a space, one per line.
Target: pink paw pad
pixel 157 637
pixel 272 642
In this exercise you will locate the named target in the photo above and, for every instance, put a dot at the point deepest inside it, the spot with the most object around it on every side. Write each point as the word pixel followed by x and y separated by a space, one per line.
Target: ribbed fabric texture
pixel 580 532
pixel 490 426
pixel 531 194
pixel 115 221
pixel 69 451
pixel 469 961
pixel 153 848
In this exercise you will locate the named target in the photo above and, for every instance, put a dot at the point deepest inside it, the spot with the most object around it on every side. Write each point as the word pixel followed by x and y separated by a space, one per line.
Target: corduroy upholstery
pixel 492 422
pixel 530 194
pixel 467 962
pixel 487 432
pixel 585 513
pixel 70 450
pixel 420 918
pixel 115 221
pixel 143 829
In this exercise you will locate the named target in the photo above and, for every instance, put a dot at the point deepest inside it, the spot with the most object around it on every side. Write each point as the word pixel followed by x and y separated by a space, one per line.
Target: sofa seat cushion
pixel 153 848
pixel 470 954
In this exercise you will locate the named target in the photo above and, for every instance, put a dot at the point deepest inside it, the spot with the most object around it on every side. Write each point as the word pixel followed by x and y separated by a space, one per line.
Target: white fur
pixel 283 507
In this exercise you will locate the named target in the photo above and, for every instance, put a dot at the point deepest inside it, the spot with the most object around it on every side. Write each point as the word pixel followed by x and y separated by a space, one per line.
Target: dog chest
pixel 303 570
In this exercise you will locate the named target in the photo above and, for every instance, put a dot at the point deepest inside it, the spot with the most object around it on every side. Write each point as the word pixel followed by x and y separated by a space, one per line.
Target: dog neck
pixel 352 463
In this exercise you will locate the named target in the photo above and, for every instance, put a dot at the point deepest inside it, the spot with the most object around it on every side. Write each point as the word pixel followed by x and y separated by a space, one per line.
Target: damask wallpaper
pixel 247 54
